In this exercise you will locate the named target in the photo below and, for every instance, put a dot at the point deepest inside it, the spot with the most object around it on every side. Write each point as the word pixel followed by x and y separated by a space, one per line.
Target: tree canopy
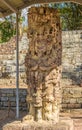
pixel 71 15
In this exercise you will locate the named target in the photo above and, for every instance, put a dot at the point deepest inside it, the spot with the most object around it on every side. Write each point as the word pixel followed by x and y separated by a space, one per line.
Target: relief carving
pixel 43 63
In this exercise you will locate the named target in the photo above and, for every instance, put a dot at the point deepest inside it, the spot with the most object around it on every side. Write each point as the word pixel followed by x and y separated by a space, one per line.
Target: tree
pixel 71 15
pixel 6 31
pixel 8 27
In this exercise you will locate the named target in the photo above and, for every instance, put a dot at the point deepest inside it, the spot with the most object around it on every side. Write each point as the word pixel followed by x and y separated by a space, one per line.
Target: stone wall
pixel 72 56
pixel 8 99
pixel 72 98
pixel 8 62
pixel 72 68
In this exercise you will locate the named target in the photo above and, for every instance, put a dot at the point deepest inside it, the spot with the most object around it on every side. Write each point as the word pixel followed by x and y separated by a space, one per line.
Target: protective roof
pixel 13 6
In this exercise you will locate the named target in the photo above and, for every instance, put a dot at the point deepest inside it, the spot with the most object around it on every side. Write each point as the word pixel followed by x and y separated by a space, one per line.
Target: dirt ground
pixel 6 117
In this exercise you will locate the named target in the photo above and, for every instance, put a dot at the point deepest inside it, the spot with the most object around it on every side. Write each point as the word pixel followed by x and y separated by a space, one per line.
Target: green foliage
pixel 71 15
pixel 8 27
pixel 7 30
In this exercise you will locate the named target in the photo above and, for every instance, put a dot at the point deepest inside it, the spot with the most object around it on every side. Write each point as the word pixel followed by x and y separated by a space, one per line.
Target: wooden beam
pixel 8 4
pixel 1 15
pixel 6 13
pixel 77 1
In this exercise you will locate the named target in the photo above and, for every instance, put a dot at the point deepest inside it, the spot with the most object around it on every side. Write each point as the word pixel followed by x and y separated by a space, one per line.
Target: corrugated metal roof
pixel 9 6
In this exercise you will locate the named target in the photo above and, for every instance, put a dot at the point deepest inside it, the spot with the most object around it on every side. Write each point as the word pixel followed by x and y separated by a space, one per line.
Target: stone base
pixel 64 124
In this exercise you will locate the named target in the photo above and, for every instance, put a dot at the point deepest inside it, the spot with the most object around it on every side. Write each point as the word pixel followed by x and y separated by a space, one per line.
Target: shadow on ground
pixel 7 117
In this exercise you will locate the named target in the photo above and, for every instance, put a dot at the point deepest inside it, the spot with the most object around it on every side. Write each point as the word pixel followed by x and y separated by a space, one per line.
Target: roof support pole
pixel 17 67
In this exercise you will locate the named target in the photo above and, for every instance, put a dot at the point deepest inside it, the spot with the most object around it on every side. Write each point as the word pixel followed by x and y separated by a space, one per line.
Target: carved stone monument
pixel 43 69
pixel 43 63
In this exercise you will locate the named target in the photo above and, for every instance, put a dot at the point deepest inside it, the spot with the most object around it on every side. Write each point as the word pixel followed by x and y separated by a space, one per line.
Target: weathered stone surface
pixel 77 124
pixel 64 124
pixel 72 97
pixel 43 63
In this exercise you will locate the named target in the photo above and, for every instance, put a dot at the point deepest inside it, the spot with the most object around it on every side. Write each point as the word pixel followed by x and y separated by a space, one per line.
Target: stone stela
pixel 43 64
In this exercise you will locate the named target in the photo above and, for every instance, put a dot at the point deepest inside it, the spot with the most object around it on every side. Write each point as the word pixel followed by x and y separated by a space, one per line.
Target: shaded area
pixel 7 117
pixel 8 99
pixel 8 105
pixel 75 75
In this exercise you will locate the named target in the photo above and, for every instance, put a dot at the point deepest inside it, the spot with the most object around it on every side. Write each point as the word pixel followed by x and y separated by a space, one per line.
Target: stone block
pixel 64 105
pixel 66 100
pixel 74 105
pixel 12 104
pixel 5 104
pixel 64 124
pixel 4 99
pixel 73 100
pixel 79 100
pixel 12 98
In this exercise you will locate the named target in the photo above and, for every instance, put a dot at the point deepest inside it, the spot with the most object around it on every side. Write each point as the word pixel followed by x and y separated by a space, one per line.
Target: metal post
pixel 17 68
